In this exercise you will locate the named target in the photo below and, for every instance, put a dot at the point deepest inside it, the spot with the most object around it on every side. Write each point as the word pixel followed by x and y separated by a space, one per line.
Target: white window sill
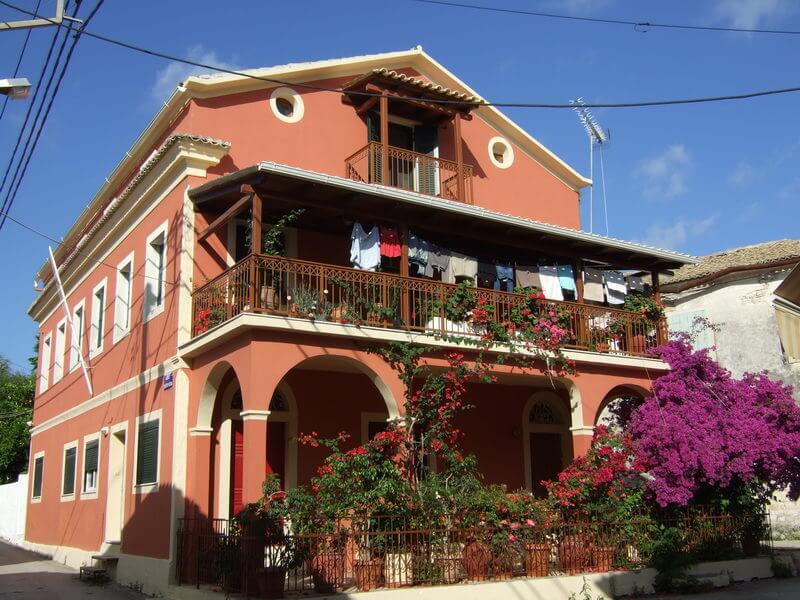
pixel 95 353
pixel 153 313
pixel 121 336
pixel 89 495
pixel 145 488
pixel 67 497
pixel 36 500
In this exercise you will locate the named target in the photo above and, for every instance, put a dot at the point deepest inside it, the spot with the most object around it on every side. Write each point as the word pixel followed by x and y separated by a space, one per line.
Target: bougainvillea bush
pixel 701 431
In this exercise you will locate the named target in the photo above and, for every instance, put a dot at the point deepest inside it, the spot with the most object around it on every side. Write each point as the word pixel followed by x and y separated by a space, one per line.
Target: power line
pixel 635 104
pixel 19 172
pixel 76 250
pixel 31 104
pixel 19 60
pixel 10 200
pixel 640 26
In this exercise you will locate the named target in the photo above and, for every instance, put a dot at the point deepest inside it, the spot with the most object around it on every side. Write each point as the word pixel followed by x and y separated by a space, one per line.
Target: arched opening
pixel 617 405
pixel 547 440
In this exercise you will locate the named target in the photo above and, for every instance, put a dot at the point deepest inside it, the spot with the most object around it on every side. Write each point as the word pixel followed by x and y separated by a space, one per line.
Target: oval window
pixel 501 153
pixel 286 104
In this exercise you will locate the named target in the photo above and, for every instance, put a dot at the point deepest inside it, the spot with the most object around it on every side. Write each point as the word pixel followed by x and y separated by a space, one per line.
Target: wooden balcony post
pixel 255 249
pixel 405 313
pixel 459 157
pixel 382 178
pixel 581 319
pixel 661 333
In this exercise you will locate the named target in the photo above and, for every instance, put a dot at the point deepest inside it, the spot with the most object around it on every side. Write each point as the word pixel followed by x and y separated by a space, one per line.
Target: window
pixel 692 323
pixel 98 319
pixel 38 472
pixel 44 364
pixel 286 104
pixel 70 457
pixel 501 153
pixel 147 451
pixel 788 323
pixel 124 296
pixel 76 348
pixel 61 340
pixel 91 456
pixel 155 272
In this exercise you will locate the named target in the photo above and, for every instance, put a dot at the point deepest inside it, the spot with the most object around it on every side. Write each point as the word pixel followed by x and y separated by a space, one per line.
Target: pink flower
pixel 512 537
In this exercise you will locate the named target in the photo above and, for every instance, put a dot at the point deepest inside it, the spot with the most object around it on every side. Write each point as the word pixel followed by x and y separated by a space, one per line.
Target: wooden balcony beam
pixel 367 106
pixel 235 209
pixel 437 108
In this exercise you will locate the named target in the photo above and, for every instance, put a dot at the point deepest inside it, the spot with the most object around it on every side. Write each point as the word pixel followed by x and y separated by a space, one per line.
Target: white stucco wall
pixel 747 340
pixel 13 503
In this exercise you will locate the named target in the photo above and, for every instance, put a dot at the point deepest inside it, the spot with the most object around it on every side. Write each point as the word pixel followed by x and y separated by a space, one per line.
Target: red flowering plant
pixel 207 318
pixel 605 485
pixel 540 322
pixel 266 517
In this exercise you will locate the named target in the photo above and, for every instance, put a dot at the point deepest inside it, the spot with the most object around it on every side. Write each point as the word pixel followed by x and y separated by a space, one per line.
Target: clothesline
pixel 380 248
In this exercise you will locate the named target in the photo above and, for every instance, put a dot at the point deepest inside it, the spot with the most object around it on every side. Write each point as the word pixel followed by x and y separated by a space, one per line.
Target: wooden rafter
pixel 235 209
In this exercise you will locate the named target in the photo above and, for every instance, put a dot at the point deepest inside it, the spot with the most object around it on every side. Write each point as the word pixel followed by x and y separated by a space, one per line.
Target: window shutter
pixel 147 453
pixel 90 459
pixel 69 472
pixel 426 139
pixel 38 468
pixel 374 135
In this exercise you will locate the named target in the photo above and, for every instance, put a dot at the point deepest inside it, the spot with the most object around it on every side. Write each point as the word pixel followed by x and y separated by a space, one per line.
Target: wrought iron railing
pixel 390 552
pixel 410 170
pixel 297 288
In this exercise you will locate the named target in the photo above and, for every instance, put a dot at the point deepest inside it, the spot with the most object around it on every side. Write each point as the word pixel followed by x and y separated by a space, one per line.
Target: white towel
pixel 551 286
pixel 461 265
pixel 616 290
pixel 593 285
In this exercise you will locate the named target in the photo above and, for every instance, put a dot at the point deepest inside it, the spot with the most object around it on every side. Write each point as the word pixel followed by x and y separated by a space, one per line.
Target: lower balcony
pixel 321 292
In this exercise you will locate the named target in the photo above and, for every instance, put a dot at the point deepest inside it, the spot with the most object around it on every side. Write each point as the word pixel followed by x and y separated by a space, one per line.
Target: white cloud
pixel 665 174
pixel 174 72
pixel 676 234
pixel 749 14
pixel 743 174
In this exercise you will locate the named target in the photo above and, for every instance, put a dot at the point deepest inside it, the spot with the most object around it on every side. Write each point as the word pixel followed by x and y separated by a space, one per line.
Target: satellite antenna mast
pixel 596 136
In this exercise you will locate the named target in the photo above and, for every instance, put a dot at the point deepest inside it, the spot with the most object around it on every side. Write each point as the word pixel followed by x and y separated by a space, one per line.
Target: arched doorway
pixel 618 404
pixel 547 440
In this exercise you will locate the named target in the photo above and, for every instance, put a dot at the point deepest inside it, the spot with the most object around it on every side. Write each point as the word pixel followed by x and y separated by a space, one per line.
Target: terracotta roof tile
pixel 765 254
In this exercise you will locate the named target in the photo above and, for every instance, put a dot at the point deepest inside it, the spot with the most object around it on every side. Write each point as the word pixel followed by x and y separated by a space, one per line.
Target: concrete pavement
pixel 765 589
pixel 31 576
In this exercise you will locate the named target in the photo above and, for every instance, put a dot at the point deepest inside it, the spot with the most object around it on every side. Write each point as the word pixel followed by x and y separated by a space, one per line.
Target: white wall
pixel 13 504
pixel 747 340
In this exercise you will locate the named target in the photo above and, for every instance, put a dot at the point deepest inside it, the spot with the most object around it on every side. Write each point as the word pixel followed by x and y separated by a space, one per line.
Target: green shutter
pixel 147 453
pixel 38 468
pixel 374 135
pixel 426 139
pixel 69 472
pixel 90 460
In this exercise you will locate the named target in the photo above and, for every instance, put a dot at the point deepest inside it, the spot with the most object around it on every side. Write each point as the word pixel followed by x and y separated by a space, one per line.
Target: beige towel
pixel 593 285
pixel 528 277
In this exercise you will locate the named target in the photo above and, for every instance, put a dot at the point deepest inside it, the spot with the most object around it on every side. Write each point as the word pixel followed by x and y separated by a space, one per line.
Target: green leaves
pixel 16 409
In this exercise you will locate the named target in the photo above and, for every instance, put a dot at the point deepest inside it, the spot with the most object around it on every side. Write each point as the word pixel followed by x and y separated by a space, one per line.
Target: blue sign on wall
pixel 169 379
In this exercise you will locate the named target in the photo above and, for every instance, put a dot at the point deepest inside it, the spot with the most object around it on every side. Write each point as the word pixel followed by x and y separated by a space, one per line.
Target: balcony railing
pixel 410 170
pixel 297 288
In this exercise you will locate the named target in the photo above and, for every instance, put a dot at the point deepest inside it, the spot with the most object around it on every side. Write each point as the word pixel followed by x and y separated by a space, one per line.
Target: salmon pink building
pixel 265 231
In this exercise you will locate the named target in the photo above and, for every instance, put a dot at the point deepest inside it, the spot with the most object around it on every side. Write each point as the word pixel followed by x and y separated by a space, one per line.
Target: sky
pixel 698 178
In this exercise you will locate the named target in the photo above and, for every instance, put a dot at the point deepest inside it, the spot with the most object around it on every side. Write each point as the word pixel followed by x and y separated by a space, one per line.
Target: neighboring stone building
pixel 751 296
pixel 735 291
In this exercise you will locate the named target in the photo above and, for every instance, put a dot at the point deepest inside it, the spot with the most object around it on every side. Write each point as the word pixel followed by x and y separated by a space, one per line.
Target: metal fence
pixel 386 552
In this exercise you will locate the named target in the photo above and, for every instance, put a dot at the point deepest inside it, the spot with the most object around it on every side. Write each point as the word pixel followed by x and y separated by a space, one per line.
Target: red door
pixel 276 450
pixel 237 465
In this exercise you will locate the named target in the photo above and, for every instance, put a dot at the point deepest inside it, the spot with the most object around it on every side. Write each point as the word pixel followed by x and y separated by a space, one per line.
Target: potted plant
pixel 477 559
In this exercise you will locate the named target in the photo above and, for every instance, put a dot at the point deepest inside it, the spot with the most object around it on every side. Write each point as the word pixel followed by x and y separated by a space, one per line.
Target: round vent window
pixel 286 104
pixel 501 153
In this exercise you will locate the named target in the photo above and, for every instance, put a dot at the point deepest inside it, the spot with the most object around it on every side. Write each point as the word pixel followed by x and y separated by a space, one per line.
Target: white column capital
pixel 255 415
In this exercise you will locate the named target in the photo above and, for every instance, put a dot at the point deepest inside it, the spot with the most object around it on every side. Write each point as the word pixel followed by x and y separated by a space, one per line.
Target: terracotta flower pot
pixel 477 560
pixel 537 560
pixel 603 557
pixel 271 581
pixel 575 553
pixel 327 571
pixel 368 574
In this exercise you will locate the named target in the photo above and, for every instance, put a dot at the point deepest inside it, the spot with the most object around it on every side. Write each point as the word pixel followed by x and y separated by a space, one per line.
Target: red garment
pixel 390 242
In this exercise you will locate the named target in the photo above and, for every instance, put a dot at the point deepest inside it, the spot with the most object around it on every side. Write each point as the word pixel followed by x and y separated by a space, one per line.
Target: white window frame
pixel 37 499
pixel 145 488
pixel 120 331
pixel 367 418
pixel 60 351
pixel 44 362
pixel 152 274
pixel 76 351
pixel 69 497
pixel 94 348
pixel 92 493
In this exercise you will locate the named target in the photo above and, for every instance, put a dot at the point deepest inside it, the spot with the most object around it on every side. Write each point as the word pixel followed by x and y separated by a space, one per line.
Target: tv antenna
pixel 600 137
